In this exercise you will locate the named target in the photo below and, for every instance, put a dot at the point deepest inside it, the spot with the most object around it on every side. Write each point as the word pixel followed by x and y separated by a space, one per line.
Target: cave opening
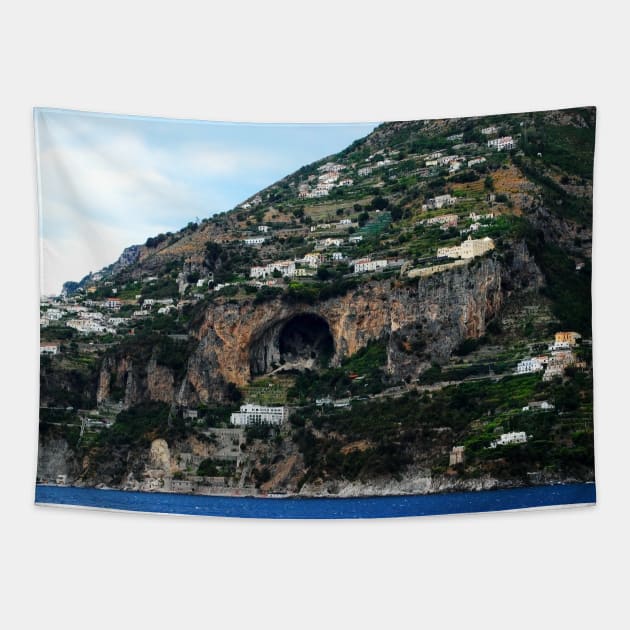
pixel 302 342
pixel 305 342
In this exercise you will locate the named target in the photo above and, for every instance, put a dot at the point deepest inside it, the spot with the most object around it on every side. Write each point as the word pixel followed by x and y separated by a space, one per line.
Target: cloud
pixel 107 182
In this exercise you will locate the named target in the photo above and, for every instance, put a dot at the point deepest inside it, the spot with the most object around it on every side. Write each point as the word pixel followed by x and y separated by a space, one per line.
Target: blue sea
pixel 303 508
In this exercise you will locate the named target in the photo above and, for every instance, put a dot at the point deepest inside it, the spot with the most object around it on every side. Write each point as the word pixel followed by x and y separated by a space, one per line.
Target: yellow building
pixel 567 338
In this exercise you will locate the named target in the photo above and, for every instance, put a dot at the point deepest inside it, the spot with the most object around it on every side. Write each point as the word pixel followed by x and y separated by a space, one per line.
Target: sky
pixel 106 182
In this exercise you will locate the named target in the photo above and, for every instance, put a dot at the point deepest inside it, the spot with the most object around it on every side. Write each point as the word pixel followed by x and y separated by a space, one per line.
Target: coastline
pixel 535 497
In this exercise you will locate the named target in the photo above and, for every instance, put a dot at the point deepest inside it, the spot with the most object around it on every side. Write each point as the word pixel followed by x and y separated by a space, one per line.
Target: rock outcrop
pixel 442 310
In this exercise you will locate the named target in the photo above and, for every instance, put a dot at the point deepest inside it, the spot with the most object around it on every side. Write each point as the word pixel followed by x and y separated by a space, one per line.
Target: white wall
pixel 71 568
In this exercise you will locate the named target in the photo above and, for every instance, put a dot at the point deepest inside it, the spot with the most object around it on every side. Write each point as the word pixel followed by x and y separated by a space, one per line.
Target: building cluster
pixel 258 414
pixel 470 248
pixel 559 358
pixel 329 177
pixel 250 204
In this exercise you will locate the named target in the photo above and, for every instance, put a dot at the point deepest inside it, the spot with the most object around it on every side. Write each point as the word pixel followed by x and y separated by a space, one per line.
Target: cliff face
pixel 239 339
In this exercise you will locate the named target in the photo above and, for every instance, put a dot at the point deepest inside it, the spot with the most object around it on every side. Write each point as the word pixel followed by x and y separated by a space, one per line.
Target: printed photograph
pixel 315 320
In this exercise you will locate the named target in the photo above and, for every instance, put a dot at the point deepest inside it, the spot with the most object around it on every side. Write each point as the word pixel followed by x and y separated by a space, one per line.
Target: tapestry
pixel 315 320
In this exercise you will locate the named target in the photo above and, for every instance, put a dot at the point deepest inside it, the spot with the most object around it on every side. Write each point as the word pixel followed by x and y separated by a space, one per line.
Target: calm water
pixel 376 507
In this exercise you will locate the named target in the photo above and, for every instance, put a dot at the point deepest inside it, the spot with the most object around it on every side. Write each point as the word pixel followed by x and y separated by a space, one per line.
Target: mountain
pixel 406 276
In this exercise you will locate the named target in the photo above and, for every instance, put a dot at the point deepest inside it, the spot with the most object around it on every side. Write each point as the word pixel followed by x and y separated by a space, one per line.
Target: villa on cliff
pixel 258 414
pixel 468 249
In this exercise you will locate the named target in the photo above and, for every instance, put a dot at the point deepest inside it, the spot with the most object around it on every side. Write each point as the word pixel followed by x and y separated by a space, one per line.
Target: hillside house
pixel 441 201
pixel 538 405
pixel 113 303
pixel 337 256
pixel 263 228
pixel 444 219
pixel 363 265
pixel 319 191
pixel 258 414
pixel 504 143
pixel 353 240
pixel 312 259
pixel 434 156
pixel 531 365
pixel 303 272
pixel 331 167
pixel 285 267
pixel 364 171
pixel 488 131
pixel 566 339
pixel 190 414
pixel 514 437
pixel 329 242
pixel 255 240
pixel 48 348
pixel 445 160
pixel 470 248
pixel 477 160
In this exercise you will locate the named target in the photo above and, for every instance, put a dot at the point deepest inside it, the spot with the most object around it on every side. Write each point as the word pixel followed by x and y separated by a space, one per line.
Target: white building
pixel 538 405
pixel 257 414
pixel 440 201
pixel 363 265
pixel 365 170
pixel 263 228
pixel 54 314
pixel 285 267
pixel 515 437
pixel 256 240
pixel 303 272
pixel 345 222
pixel 530 365
pixel 355 239
pixel 48 348
pixel 113 303
pixel 468 249
pixel 329 242
pixel 337 256
pixel 477 160
pixel 312 259
pixel 488 131
pixel 505 143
